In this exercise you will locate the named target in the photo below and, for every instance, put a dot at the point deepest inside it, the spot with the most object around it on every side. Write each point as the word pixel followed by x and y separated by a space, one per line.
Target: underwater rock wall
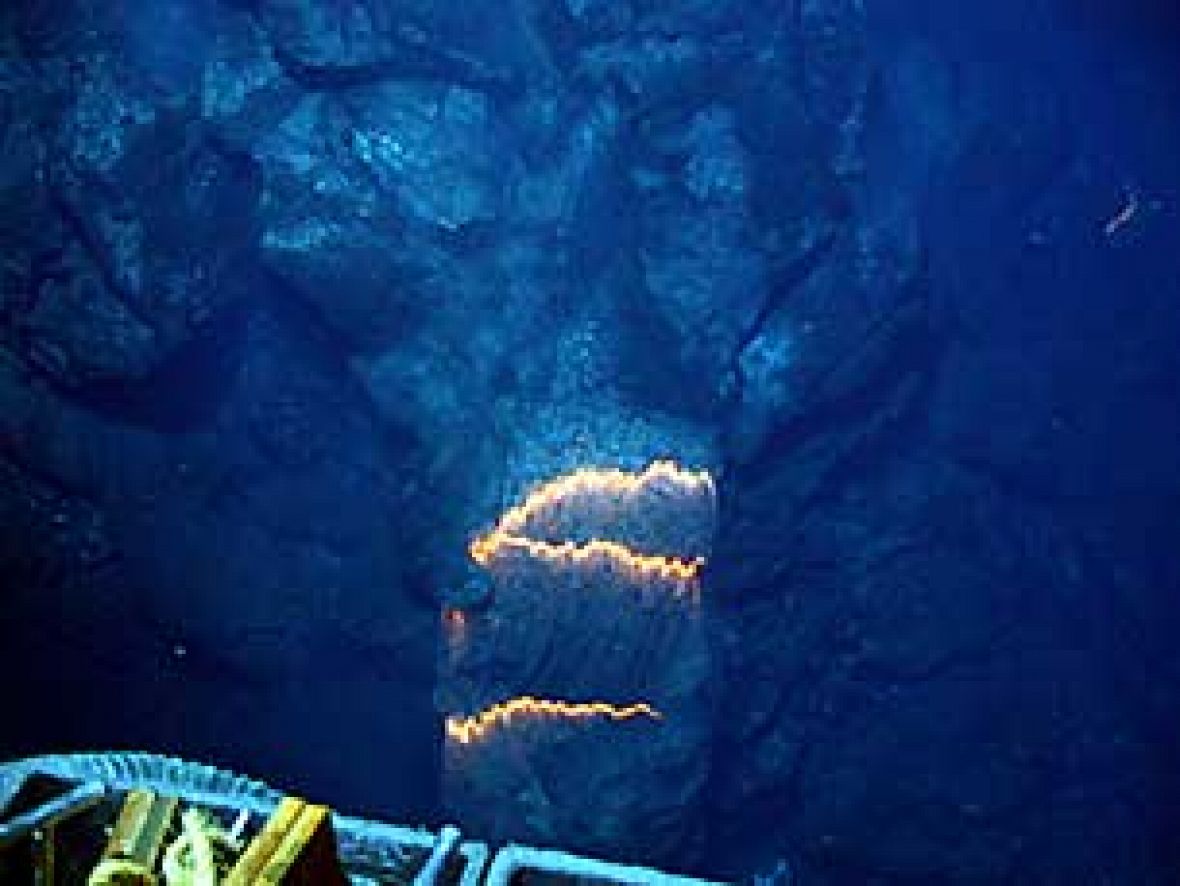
pixel 581 693
pixel 954 668
pixel 297 297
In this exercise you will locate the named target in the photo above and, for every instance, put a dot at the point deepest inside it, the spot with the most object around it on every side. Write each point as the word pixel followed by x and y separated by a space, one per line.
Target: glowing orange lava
pixel 468 729
pixel 510 532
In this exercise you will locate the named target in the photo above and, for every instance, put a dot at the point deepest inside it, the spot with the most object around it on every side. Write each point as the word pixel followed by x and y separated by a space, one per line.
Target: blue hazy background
pixel 295 294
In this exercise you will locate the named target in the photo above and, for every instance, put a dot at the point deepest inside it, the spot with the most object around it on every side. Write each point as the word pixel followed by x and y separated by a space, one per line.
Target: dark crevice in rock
pixel 415 59
pixel 785 280
pixel 291 309
pixel 75 222
pixel 184 392
pixel 714 83
pixel 913 346
pixel 883 440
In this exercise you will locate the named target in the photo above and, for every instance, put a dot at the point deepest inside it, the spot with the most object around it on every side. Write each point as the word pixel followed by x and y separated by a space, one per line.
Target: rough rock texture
pixel 596 626
pixel 952 670
pixel 296 296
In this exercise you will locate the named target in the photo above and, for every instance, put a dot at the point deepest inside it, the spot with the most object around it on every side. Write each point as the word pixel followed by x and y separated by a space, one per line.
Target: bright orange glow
pixel 608 481
pixel 468 729
pixel 510 532
pixel 595 550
